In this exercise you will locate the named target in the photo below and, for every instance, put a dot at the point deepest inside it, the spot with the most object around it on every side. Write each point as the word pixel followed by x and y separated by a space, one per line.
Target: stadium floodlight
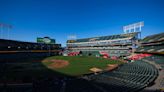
pixel 133 27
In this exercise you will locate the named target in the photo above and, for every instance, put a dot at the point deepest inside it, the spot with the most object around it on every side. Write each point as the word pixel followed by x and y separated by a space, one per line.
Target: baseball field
pixel 76 65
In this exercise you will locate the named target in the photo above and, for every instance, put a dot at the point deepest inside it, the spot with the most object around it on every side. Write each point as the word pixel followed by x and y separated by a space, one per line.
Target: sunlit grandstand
pixel 114 45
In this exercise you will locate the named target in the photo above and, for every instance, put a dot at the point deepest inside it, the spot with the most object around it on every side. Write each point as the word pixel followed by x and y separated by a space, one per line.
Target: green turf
pixel 79 65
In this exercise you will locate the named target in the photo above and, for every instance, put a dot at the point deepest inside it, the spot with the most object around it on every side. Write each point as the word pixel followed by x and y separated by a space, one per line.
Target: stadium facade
pixel 114 45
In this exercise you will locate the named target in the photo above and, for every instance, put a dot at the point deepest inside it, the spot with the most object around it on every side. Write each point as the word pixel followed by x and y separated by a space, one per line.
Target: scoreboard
pixel 46 40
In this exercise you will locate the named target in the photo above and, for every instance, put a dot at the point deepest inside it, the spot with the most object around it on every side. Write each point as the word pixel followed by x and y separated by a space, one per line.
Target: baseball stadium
pixel 39 50
pixel 98 64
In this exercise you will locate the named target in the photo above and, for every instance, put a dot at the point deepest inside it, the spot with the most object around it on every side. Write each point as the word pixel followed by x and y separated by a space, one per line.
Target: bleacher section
pixel 12 45
pixel 11 49
pixel 156 59
pixel 153 38
pixel 130 77
pixel 152 44
pixel 157 48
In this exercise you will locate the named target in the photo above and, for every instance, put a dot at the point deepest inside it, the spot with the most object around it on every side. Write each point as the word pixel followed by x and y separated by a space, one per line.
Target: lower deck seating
pixel 156 59
pixel 129 77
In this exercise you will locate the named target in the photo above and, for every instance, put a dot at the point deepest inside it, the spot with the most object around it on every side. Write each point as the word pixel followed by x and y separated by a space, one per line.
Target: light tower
pixel 135 27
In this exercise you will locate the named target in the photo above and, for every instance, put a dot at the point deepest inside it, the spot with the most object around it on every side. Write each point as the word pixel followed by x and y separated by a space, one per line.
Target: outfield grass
pixel 79 65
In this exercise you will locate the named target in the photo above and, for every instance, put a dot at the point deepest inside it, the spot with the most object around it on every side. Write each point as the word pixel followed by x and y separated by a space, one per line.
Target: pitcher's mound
pixel 58 64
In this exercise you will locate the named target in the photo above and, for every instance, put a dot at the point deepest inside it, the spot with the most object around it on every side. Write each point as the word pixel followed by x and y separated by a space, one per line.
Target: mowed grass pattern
pixel 79 65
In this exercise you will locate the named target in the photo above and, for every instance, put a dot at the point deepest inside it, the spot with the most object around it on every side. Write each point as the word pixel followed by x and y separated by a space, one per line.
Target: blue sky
pixel 85 18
